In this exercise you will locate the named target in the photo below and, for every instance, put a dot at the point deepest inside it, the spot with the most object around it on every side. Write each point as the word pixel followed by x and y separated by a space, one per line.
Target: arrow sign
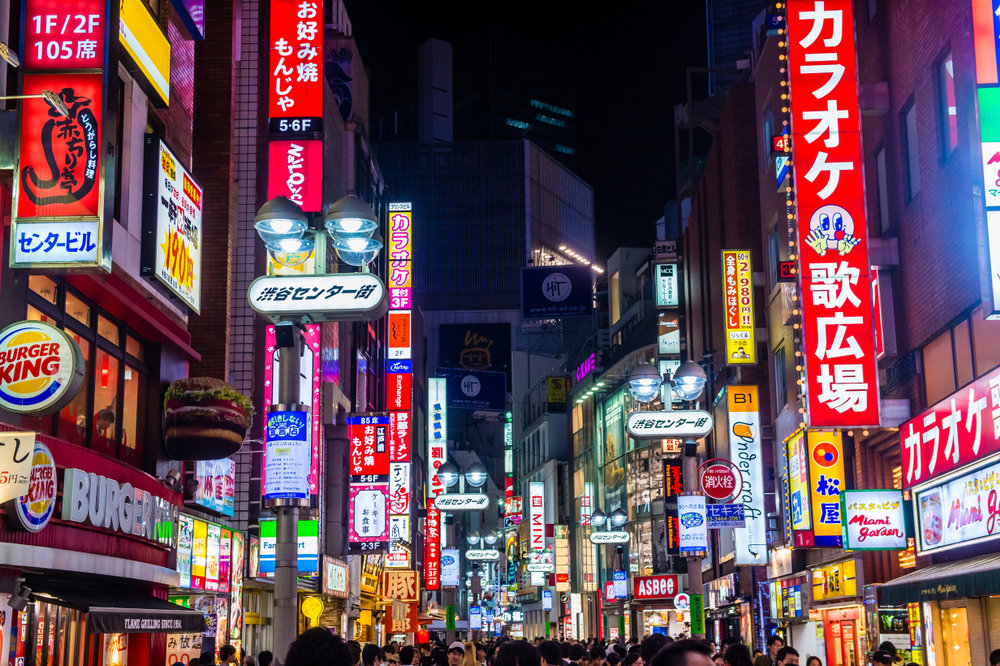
pixel 669 425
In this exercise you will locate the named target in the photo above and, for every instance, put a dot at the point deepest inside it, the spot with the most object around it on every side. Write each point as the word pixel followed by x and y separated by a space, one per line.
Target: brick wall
pixel 212 162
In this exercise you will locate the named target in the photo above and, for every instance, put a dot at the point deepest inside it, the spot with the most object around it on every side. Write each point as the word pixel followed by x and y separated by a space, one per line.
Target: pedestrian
pixel 881 658
pixel 718 660
pixel 355 648
pixel 633 659
pixel 265 658
pixel 406 654
pixel 597 655
pixel 518 653
pixel 469 658
pixel 683 653
pixel 249 660
pixel 372 655
pixel 319 647
pixel 207 659
pixel 774 643
pixel 813 661
pixel 456 654
pixel 480 654
pixel 788 656
pixel 737 654
pixel 550 654
pixel 650 645
pixel 995 658
pixel 613 659
pixel 227 654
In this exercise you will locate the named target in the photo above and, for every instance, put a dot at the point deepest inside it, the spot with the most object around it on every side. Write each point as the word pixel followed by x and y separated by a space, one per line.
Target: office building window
pixel 909 123
pixel 882 188
pixel 949 114
pixel 780 379
pixel 616 312
pixel 767 131
pixel 872 9
pixel 773 255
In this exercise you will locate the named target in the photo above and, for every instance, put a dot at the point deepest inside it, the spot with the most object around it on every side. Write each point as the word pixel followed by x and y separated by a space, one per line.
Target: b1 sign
pixel 874 519
pixel 288 455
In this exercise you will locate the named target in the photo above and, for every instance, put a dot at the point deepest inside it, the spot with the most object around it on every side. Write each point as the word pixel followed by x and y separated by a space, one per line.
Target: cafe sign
pixel 960 510
pixel 874 519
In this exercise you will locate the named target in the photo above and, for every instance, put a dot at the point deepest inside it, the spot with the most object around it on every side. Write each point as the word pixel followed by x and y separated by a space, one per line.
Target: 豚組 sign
pixel 664 586
pixel 316 298
pixel 874 519
pixel 41 368
pixel 669 425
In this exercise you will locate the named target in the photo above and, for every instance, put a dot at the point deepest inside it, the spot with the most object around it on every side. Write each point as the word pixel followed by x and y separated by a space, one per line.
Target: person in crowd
pixel 597 655
pixel 372 655
pixel 995 658
pixel 633 659
pixel 683 653
pixel 227 654
pixel 788 656
pixel 881 658
pixel 718 660
pixel 550 654
pixel 711 646
pixel 774 643
pixel 318 647
pixel 650 645
pixel 355 648
pixel 456 654
pixel 207 659
pixel 265 658
pixel 406 655
pixel 814 661
pixel 518 653
pixel 891 649
pixel 612 659
pixel 756 653
pixel 737 654
pixel 480 654
pixel 469 658
pixel 249 660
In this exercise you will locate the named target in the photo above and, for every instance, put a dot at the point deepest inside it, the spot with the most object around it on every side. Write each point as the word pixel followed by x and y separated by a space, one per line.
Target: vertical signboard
pixel 400 249
pixel 295 171
pixel 838 335
pixel 287 455
pixel 985 30
pixel 826 481
pixel 798 487
pixel 666 286
pixel 437 453
pixel 536 515
pixel 368 474
pixel 746 451
pixel 693 524
pixel 737 276
pixel 296 62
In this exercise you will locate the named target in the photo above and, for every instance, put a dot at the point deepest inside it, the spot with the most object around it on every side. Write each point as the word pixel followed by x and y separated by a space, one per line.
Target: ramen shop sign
pixel 41 368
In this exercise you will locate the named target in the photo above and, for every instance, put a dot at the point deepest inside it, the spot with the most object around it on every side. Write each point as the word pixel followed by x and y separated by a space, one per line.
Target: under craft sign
pixel 315 298
pixel 669 425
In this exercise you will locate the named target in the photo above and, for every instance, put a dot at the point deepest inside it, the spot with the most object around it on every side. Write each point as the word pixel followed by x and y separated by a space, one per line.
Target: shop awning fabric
pixel 975 577
pixel 117 611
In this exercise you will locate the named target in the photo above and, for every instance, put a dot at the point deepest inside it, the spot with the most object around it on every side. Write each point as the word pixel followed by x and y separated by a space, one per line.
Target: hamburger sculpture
pixel 206 419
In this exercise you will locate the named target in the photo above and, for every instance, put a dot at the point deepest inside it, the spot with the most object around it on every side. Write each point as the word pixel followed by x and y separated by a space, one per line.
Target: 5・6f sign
pixel 41 368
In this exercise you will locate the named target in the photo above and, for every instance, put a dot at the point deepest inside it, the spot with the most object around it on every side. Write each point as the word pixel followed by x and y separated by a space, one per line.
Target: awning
pixel 115 610
pixel 975 577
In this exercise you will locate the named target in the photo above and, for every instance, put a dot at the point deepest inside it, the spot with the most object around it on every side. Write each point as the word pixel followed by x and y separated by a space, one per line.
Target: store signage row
pixel 207 555
pixel 874 520
pixel 318 298
pixel 103 502
pixel 458 502
pixel 692 424
pixel 746 452
pixel 664 586
pixel 437 454
pixel 958 430
pixel 737 276
pixel 790 597
pixel 41 368
pixel 960 511
pixel 838 335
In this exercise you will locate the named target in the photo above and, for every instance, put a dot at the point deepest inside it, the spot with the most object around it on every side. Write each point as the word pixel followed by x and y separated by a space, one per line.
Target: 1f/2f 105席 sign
pixel 316 298
pixel 669 425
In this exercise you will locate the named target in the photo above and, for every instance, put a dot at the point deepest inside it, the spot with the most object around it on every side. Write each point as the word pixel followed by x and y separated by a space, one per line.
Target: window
pixel 909 122
pixel 119 149
pixel 963 354
pixel 939 368
pixel 949 115
pixel 767 130
pixel 780 379
pixel 108 412
pixel 616 311
pixel 773 255
pixel 882 189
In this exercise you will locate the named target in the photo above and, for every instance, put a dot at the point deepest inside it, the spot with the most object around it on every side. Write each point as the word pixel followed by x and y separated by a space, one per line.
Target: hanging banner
pixel 737 276
pixel 826 481
pixel 746 452
pixel 437 454
pixel 536 515
pixel 837 329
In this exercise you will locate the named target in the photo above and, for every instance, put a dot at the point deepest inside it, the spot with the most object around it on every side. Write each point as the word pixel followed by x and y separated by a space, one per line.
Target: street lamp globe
pixel 689 381
pixel 351 217
pixel 448 474
pixel 491 537
pixel 598 518
pixel 644 383
pixel 618 517
pixel 280 219
pixel 475 474
pixel 473 538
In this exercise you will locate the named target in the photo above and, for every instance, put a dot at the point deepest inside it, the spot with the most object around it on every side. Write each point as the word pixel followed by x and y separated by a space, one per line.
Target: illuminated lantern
pixel 423 636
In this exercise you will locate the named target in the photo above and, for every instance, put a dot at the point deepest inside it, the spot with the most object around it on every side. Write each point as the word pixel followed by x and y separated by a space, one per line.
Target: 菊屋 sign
pixel 317 298
pixel 874 519
pixel 737 276
pixel 746 452
pixel 172 237
pixel 669 425
pixel 838 337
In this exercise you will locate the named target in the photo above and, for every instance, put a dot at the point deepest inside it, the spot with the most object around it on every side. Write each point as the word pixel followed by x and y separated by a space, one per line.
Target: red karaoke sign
pixel 296 59
pixel 838 337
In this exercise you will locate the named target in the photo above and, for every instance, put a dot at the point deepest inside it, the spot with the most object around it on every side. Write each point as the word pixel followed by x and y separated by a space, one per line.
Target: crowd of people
pixel 320 647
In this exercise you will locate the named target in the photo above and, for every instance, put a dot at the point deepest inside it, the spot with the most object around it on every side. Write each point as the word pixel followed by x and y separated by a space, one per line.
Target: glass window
pixel 133 413
pixel 939 368
pixel 872 8
pixel 912 152
pixel 105 424
pixel 780 376
pixel 882 187
pixel 44 287
pixel 615 304
pixel 767 132
pixel 77 308
pixel 773 255
pixel 135 348
pixel 963 354
pixel 985 349
pixel 34 314
pixel 955 637
pixel 108 330
pixel 949 115
pixel 72 422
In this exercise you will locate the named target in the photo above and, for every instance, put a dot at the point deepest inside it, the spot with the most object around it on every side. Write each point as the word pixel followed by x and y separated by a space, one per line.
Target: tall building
pixel 730 37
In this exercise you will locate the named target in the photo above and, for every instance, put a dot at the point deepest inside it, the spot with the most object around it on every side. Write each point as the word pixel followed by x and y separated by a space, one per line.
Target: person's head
pixel 995 658
pixel 249 660
pixel 814 661
pixel 612 659
pixel 881 658
pixel 757 652
pixel 598 654
pixel 788 655
pixel 576 652
pixel 227 654
pixel 456 653
pixel 207 658
pixel 469 659
pixel 737 654
pixel 550 653
pixel 518 653
pixel 650 645
pixel 372 655
pixel 718 660
pixel 480 653
pixel 633 659
pixel 683 653
pixel 775 643
pixel 103 420
pixel 265 658
pixel 406 655
pixel 355 649
pixel 316 647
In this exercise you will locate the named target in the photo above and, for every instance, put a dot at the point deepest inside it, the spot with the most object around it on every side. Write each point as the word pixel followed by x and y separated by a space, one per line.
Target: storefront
pixel 837 603
pixel 726 614
pixel 336 584
pixel 94 541
pixel 790 610
pixel 653 604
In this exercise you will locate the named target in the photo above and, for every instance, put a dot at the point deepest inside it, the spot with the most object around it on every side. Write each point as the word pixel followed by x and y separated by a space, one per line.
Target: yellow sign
pixel 556 389
pixel 737 276
pixel 145 42
pixel 403 585
pixel 835 581
pixel 826 481
pixel 312 608
pixel 798 482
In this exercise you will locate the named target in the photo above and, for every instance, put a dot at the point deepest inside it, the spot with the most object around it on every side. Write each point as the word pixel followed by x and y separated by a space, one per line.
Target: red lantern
pixel 423 636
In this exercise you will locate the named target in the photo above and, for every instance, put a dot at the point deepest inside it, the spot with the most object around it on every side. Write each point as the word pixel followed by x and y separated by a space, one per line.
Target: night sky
pixel 632 71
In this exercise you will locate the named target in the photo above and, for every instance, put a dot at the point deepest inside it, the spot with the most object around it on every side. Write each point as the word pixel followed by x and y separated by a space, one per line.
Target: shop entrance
pixel 948 632
pixel 843 633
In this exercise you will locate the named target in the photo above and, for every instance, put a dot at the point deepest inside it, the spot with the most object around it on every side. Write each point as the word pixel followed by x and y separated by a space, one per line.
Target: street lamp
pixel 475 474
pixel 473 538
pixel 281 224
pixel 448 474
pixel 644 383
pixel 352 222
pixel 598 518
pixel 618 517
pixel 491 537
pixel 689 381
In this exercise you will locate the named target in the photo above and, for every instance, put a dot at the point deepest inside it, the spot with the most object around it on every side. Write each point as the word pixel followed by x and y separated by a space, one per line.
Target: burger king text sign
pixel 41 368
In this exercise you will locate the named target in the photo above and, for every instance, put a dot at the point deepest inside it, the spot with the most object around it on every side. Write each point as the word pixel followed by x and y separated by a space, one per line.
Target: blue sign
pixel 725 515
pixel 399 367
pixel 546 599
pixel 556 291
pixel 781 169
pixel 474 389
pixel 621 584
pixel 287 455
pixel 774 23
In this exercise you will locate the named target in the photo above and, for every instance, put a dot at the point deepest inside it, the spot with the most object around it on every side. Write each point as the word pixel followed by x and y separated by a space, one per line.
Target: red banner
pixel 398 389
pixel 64 35
pixel 838 337
pixel 399 437
pixel 369 459
pixel 295 170
pixel 656 587
pixel 296 59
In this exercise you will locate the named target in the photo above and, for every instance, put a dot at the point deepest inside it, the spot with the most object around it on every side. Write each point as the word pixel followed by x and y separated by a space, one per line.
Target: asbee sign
pixel 655 587
pixel 41 368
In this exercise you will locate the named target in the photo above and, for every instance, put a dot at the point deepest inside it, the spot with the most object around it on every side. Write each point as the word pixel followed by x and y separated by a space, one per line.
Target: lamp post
pixel 282 226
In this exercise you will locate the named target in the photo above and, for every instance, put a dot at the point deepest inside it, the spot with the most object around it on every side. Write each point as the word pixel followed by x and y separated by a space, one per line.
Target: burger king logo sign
pixel 41 368
pixel 34 509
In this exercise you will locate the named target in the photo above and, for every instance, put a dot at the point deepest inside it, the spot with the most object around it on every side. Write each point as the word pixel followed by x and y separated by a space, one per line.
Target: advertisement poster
pixel 185 539
pixel 212 558
pixel 199 555
pixel 288 455
pixel 737 275
pixel 693 523
pixel 798 483
pixel 476 390
pixel 236 588
pixel 960 511
pixel 826 480
pixel 874 519
pixel 217 489
pixel 225 559
pixel 556 291
pixel 746 453
pixel 450 568
pixel 666 285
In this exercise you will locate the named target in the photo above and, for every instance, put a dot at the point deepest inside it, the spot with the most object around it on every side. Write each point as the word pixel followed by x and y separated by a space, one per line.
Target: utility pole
pixel 691 488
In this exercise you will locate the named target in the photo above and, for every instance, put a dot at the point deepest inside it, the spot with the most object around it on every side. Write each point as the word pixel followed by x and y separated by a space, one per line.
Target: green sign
pixel 548 628
pixel 697 612
pixel 449 618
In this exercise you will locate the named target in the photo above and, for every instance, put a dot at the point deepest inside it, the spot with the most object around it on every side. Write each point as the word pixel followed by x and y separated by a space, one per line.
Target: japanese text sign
pixel 746 452
pixel 693 523
pixel 399 437
pixel 399 333
pixel 369 448
pixel 331 297
pixel 437 454
pixel 835 580
pixel 287 455
pixel 826 480
pixel 985 32
pixel 677 424
pixel 798 483
pixel 874 519
pixel 399 488
pixel 402 623
pixel 296 62
pixel 838 337
pixel 536 515
pixel 16 464
pixel 961 511
pixel 400 250
pixel 956 431
pixel 295 171
pixel 64 35
pixel 401 586
pixel 50 243
pixel 666 285
pixel 737 276
pixel 368 518
pixel 720 516
pixel 398 556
